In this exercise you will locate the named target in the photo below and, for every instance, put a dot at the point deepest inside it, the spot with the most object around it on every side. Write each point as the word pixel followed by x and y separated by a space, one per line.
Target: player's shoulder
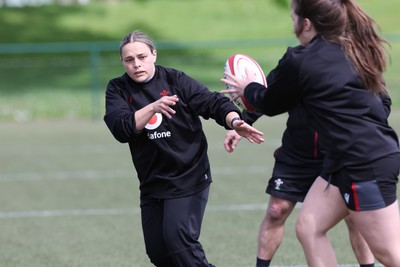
pixel 175 77
pixel 163 71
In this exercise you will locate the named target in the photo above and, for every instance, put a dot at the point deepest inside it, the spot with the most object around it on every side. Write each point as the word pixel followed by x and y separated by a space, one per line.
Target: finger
pixel 250 139
pixel 227 144
pixel 169 113
pixel 228 82
pixel 235 143
pixel 230 76
pixel 228 148
pixel 254 131
pixel 228 91
pixel 257 139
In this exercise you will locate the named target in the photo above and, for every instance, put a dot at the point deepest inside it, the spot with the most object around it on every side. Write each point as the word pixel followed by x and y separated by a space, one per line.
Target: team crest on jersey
pixel 164 93
pixel 278 183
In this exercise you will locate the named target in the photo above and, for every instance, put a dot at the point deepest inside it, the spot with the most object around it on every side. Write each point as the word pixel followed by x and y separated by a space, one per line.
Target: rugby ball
pixel 237 65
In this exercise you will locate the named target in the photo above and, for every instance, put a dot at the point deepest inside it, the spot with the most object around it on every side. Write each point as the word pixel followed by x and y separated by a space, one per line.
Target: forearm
pixel 143 116
pixel 229 117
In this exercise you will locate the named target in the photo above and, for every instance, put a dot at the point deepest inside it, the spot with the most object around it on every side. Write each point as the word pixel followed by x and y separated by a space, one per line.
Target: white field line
pixel 64 175
pixel 113 212
pixel 345 265
pixel 136 211
pixel 112 174
pixel 340 265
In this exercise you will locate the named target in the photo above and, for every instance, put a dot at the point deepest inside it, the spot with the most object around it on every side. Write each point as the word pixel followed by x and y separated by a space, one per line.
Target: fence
pixel 83 67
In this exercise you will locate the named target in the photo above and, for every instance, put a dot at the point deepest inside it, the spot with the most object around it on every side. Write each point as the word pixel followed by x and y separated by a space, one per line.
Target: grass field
pixel 68 191
pixel 60 85
pixel 70 199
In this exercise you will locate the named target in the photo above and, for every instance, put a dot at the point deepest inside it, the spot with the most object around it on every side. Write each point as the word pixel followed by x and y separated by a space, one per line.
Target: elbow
pixel 120 136
pixel 116 130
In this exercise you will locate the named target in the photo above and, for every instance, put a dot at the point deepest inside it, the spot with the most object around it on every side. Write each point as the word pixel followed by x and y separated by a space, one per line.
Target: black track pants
pixel 171 229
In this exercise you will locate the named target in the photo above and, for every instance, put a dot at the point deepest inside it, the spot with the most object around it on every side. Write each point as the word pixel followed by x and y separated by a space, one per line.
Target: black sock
pixel 367 265
pixel 265 263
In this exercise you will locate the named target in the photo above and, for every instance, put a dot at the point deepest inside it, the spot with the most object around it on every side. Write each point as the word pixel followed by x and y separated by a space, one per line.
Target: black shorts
pixel 298 162
pixel 368 187
pixel 292 182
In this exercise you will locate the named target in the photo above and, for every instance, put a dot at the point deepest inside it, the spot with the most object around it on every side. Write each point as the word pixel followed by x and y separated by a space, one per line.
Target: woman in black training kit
pixel 156 110
pixel 336 75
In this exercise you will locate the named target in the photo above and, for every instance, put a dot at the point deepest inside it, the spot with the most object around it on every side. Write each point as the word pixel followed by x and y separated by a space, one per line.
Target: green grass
pixel 71 194
pixel 63 86
pixel 70 189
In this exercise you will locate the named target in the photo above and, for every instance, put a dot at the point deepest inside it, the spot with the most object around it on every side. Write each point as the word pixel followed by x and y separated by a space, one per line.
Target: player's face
pixel 138 61
pixel 298 27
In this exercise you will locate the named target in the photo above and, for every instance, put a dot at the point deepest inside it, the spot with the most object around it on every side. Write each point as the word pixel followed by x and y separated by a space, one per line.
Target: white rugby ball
pixel 237 65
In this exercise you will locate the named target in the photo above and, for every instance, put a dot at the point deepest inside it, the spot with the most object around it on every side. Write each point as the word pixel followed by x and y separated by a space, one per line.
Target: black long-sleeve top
pixel 169 155
pixel 351 121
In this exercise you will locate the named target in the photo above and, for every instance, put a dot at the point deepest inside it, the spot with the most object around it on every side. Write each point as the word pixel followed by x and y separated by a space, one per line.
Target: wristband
pixel 233 120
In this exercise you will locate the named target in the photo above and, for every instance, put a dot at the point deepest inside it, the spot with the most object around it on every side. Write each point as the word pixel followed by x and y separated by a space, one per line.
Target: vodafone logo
pixel 154 122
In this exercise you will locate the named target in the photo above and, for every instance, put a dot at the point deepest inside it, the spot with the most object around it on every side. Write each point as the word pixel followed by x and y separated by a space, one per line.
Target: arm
pixel 163 105
pixel 232 138
pixel 123 120
pixel 242 128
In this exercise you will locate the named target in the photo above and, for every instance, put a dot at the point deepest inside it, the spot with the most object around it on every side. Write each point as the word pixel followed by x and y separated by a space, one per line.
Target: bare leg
pixel 322 209
pixel 381 230
pixel 359 245
pixel 273 226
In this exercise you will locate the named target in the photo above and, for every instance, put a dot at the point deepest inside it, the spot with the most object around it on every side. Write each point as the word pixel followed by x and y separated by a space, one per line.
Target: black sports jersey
pixel 300 145
pixel 299 141
pixel 170 155
pixel 351 121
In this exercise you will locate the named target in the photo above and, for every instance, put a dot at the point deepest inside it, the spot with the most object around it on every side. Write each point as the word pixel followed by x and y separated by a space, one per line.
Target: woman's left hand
pixel 247 131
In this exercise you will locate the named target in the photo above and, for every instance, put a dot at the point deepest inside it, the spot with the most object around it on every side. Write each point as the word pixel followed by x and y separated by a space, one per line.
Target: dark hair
pixel 345 23
pixel 136 36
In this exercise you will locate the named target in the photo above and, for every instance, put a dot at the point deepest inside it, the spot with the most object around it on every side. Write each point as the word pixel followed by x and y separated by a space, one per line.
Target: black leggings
pixel 171 229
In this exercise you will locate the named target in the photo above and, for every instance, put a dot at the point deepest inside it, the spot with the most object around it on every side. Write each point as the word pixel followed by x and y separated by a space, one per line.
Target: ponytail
pixel 345 23
pixel 364 47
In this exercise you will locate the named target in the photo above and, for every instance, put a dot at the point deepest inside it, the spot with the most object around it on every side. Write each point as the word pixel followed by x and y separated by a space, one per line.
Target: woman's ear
pixel 155 55
pixel 307 24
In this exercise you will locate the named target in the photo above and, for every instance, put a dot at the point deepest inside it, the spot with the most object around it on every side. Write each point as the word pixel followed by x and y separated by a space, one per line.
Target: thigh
pixel 182 225
pixel 323 207
pixel 184 216
pixel 383 225
pixel 152 215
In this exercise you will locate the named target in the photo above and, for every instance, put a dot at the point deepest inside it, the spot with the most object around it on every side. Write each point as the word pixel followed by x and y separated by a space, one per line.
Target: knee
pixel 160 258
pixel 162 262
pixel 172 234
pixel 299 228
pixel 177 237
pixel 277 213
pixel 304 228
pixel 351 225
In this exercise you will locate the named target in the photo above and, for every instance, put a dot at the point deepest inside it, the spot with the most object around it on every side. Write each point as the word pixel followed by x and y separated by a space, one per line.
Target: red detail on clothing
pixel 130 99
pixel 356 204
pixel 315 145
pixel 164 93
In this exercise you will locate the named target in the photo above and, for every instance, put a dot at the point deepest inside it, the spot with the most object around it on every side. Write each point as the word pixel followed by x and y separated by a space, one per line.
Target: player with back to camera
pixel 156 110
pixel 298 162
pixel 336 74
